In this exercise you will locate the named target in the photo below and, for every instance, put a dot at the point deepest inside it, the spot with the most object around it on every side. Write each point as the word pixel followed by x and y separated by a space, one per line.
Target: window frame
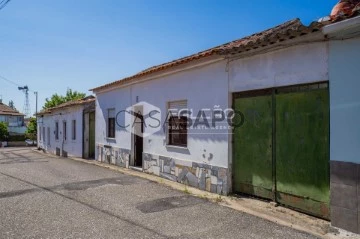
pixel 177 127
pixel 73 129
pixel 64 131
pixel 110 124
pixel 56 130
pixel 48 136
pixel 44 134
pixel 181 131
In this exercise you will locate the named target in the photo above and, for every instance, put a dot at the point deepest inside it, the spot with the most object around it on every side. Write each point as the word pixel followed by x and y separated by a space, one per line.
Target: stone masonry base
pixel 203 176
pixel 345 195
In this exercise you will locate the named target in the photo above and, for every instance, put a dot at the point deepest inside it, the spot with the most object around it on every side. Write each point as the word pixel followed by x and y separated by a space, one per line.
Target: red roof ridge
pixel 292 28
pixel 85 100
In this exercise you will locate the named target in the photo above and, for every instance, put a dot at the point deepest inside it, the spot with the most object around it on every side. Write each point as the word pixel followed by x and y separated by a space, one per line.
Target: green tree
pixel 11 105
pixel 3 131
pixel 31 131
pixel 56 99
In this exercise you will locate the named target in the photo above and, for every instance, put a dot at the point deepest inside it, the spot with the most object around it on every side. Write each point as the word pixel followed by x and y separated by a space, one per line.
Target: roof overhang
pixel 343 28
pixel 265 39
pixel 158 74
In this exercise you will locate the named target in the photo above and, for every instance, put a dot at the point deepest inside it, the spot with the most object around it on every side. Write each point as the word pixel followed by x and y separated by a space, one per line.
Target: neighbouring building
pixel 290 93
pixel 68 129
pixel 13 118
pixel 344 78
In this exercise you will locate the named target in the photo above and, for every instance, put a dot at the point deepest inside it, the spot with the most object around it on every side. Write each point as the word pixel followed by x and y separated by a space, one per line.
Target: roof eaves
pixel 158 68
pixel 86 100
pixel 285 31
pixel 279 34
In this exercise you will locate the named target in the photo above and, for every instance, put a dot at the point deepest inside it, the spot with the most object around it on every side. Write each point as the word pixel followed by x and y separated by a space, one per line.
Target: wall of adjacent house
pixel 15 123
pixel 344 72
pixel 299 64
pixel 204 162
pixel 70 147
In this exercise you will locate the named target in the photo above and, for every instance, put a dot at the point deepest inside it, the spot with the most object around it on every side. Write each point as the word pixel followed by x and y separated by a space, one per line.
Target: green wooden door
pixel 302 151
pixel 252 161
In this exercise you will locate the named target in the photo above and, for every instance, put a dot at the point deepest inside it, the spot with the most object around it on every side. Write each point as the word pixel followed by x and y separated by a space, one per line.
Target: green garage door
pixel 295 172
pixel 302 150
pixel 252 167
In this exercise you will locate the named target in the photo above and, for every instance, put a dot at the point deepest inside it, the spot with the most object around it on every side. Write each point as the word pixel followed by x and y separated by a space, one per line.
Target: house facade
pixel 242 81
pixel 68 129
pixel 13 118
pixel 272 115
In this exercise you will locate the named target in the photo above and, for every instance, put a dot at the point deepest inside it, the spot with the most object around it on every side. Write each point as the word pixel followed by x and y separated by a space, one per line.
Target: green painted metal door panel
pixel 252 163
pixel 302 151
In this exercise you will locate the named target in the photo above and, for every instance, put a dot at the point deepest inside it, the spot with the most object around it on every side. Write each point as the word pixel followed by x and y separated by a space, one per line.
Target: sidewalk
pixel 262 209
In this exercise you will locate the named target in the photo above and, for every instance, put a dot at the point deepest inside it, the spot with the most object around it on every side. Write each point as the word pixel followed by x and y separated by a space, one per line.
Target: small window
pixel 177 125
pixel 178 131
pixel 39 132
pixel 73 131
pixel 43 132
pixel 111 123
pixel 64 131
pixel 48 135
pixel 57 130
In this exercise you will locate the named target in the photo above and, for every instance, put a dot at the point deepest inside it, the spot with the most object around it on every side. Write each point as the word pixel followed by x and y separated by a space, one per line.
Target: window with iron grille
pixel 177 125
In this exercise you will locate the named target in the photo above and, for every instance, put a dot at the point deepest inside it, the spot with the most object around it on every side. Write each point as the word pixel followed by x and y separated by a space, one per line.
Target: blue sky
pixel 79 44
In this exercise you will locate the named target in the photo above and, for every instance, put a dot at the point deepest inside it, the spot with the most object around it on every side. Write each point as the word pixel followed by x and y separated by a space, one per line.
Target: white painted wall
pixel 290 66
pixel 344 72
pixel 118 99
pixel 73 147
pixel 202 87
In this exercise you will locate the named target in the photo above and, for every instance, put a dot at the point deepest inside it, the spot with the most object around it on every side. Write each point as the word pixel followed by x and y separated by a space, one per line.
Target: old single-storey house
pixel 284 66
pixel 13 119
pixel 287 126
pixel 68 129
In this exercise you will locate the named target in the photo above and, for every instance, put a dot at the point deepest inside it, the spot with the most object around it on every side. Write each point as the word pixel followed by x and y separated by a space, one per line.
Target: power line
pixel 3 3
pixel 12 82
pixel 6 79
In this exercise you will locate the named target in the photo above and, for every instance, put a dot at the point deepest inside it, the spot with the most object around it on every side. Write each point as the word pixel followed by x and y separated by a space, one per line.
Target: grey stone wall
pixel 345 195
pixel 114 155
pixel 203 176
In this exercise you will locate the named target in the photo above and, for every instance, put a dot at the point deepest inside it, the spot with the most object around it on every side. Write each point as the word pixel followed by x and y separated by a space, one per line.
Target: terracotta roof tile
pixel 6 110
pixel 287 30
pixel 86 100
pixel 345 9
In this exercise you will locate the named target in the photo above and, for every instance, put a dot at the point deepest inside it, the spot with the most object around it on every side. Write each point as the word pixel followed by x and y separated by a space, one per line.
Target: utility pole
pixel 36 104
pixel 36 117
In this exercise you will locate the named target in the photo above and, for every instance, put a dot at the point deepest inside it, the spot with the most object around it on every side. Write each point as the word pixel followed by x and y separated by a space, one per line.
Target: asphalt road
pixel 46 197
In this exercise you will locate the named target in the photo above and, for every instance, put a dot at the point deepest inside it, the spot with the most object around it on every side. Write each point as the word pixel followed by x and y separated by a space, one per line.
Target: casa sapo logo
pixel 146 119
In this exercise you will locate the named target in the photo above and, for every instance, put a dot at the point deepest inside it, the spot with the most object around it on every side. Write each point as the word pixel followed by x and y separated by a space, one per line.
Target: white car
pixel 30 142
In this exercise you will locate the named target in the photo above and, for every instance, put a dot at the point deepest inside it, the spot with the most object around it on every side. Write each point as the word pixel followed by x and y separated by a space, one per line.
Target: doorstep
pixel 138 169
